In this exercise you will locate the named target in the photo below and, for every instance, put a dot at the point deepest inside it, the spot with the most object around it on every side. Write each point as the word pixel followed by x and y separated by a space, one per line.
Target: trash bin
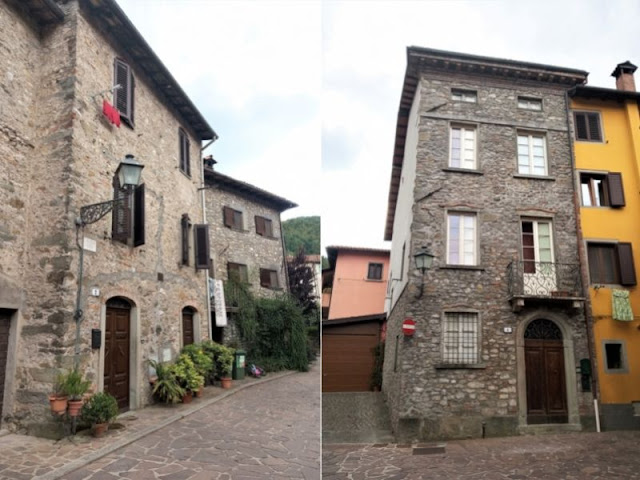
pixel 238 365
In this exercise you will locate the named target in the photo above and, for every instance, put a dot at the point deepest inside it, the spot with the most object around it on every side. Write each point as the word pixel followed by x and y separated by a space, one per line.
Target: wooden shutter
pixel 121 213
pixel 265 278
pixel 588 126
pixel 581 126
pixel 593 120
pixel 616 191
pixel 184 227
pixel 228 217
pixel 123 97
pixel 260 225
pixel 138 216
pixel 185 161
pixel 201 237
pixel 627 269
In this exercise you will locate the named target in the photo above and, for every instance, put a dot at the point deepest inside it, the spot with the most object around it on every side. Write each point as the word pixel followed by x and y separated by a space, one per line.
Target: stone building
pixel 482 179
pixel 249 246
pixel 61 143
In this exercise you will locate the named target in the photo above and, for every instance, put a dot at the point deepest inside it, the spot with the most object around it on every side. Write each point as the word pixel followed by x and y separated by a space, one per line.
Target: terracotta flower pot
pixel 74 407
pixel 226 382
pixel 187 397
pixel 200 391
pixel 99 429
pixel 58 404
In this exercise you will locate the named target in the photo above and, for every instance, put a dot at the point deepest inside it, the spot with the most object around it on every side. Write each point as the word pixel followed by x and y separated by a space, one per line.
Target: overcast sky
pixel 305 94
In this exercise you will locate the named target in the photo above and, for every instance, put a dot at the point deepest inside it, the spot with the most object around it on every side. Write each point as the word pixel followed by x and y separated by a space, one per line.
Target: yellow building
pixel 607 152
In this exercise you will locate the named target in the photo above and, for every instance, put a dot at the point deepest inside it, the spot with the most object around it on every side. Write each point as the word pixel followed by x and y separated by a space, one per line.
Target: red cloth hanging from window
pixel 111 113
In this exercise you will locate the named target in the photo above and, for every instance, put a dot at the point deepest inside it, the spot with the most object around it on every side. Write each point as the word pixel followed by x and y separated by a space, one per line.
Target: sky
pixel 304 94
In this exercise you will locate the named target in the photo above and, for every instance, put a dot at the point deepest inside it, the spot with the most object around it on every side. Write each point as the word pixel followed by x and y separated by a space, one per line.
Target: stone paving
pixel 575 456
pixel 25 458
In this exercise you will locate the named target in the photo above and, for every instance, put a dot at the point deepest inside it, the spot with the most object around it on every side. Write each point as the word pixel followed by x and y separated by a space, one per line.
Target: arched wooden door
pixel 546 383
pixel 188 336
pixel 117 344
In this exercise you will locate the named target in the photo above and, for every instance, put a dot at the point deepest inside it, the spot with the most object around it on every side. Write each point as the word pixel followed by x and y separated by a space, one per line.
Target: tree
pixel 302 282
pixel 302 232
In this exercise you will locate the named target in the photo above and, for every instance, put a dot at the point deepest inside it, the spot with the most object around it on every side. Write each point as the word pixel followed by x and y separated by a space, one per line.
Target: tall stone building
pixel 245 223
pixel 61 142
pixel 482 179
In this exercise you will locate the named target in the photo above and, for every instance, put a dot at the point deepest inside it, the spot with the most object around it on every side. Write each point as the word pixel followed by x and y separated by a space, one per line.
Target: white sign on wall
pixel 218 301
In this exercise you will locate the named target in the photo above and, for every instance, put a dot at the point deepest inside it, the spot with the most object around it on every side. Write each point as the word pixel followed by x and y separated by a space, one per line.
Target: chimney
pixel 624 76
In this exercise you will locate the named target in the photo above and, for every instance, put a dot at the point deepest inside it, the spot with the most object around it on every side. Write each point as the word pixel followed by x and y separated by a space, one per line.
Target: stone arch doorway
pixel 188 328
pixel 117 350
pixel 546 385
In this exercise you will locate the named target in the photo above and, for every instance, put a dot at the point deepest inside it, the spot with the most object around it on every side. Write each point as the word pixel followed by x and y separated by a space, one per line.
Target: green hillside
pixel 302 232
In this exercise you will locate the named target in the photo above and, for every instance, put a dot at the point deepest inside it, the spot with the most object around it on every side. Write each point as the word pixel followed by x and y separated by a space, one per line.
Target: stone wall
pixel 426 400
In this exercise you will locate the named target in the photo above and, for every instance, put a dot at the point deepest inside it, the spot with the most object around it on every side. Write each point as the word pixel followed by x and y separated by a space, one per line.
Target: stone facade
pixel 244 246
pixel 60 153
pixel 430 397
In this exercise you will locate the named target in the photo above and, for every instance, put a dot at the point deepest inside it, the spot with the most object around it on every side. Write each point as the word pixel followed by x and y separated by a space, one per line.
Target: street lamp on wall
pixel 128 172
pixel 424 259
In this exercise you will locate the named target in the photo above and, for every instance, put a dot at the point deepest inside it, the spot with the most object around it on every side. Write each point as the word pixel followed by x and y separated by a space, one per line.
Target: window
pixel 611 263
pixel 185 163
pixel 602 189
pixel 185 226
pixel 588 126
pixel 463 148
pixel 123 96
pixel 532 157
pixel 469 96
pixel 237 272
pixel 530 103
pixel 233 218
pixel 375 271
pixel 264 226
pixel 537 246
pixel 461 239
pixel 614 356
pixel 201 242
pixel 460 338
pixel 128 217
pixel 269 278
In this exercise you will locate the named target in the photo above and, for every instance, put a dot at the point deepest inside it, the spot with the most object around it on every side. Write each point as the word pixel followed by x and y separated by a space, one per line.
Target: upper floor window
pixel 601 189
pixel 269 278
pixel 374 271
pixel 459 95
pixel 611 263
pixel 233 218
pixel 588 126
pixel 461 239
pixel 264 226
pixel 527 103
pixel 128 216
pixel 185 226
pixel 123 97
pixel 463 147
pixel 237 272
pixel 532 156
pixel 185 162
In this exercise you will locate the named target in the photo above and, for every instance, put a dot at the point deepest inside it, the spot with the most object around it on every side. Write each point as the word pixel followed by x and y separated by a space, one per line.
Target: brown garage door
pixel 5 322
pixel 347 356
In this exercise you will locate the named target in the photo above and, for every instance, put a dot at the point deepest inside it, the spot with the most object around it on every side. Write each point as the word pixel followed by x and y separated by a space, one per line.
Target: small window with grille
pixel 460 338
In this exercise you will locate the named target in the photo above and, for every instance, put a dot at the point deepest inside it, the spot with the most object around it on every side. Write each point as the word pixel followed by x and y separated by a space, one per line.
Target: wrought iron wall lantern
pixel 424 260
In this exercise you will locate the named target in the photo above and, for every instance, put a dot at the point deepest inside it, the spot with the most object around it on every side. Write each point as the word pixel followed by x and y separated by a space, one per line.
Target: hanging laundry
pixel 622 306
pixel 112 113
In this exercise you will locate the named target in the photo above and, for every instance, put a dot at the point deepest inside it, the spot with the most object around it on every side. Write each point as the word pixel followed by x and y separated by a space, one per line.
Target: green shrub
pixel 166 389
pixel 100 408
pixel 187 374
pixel 73 385
pixel 202 361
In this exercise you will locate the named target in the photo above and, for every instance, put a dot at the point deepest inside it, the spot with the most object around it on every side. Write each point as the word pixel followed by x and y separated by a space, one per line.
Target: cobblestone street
pixel 580 456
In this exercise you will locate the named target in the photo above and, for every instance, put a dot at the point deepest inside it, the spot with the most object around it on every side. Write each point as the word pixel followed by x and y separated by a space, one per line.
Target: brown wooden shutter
pixel 260 225
pixel 181 141
pixel 265 278
pixel 581 126
pixel 123 97
pixel 121 213
pixel 593 119
pixel 228 217
pixel 138 216
pixel 184 226
pixel 627 269
pixel 185 161
pixel 616 191
pixel 201 237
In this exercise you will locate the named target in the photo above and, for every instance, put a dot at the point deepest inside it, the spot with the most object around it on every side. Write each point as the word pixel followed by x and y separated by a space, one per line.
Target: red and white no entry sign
pixel 409 327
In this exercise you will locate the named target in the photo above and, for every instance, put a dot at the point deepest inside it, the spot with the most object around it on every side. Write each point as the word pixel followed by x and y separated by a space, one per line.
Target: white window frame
pixel 464 163
pixel 462 95
pixel 454 352
pixel 529 103
pixel 461 238
pixel 530 136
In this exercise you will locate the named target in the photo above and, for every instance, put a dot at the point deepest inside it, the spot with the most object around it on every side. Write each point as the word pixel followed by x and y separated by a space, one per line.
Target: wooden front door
pixel 187 327
pixel 5 322
pixel 545 377
pixel 116 352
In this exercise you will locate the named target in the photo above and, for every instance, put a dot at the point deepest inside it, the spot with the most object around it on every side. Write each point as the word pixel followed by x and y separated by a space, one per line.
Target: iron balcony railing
pixel 544 279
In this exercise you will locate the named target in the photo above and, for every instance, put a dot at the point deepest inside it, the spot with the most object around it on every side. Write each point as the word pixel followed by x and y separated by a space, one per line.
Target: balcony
pixel 544 282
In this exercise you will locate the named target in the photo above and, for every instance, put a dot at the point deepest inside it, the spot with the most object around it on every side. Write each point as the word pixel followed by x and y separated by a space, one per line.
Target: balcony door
pixel 537 255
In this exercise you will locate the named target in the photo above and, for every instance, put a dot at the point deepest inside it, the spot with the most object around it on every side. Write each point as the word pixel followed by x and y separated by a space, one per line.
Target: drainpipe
pixel 582 257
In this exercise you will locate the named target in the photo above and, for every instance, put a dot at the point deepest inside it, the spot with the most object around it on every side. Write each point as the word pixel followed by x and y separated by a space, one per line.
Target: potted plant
pixel 188 377
pixel 74 386
pixel 166 388
pixel 225 366
pixel 58 399
pixel 99 411
pixel 201 360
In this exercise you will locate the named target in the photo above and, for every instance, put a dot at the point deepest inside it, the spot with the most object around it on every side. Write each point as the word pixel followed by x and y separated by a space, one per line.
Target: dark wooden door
pixel 5 322
pixel 116 354
pixel 187 327
pixel 546 386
